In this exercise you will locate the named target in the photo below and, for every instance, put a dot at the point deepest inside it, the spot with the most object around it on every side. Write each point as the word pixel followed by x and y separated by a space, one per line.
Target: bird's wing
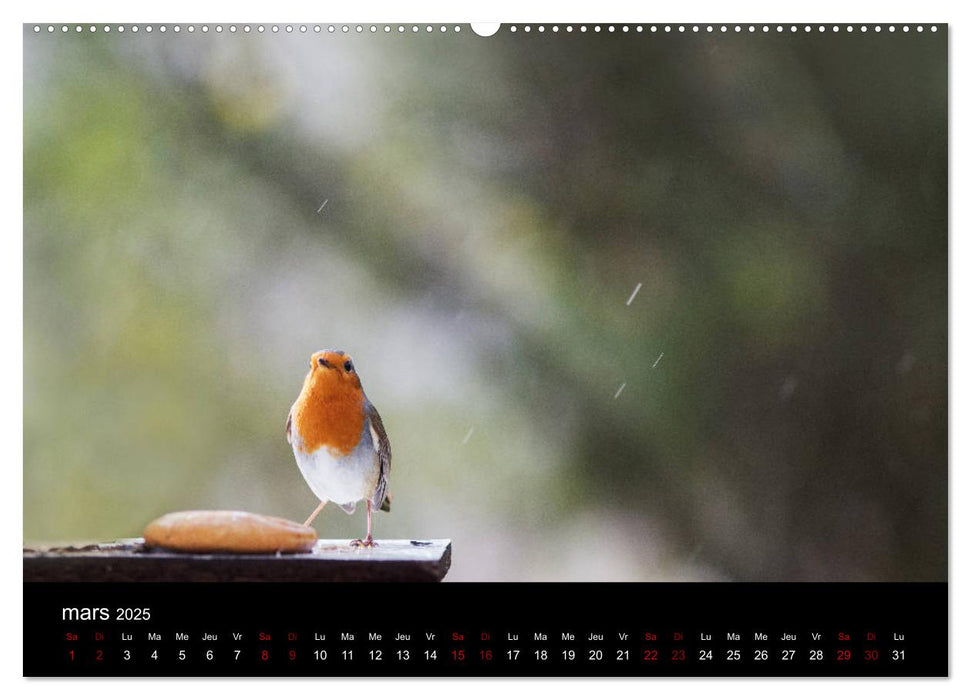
pixel 383 448
pixel 290 427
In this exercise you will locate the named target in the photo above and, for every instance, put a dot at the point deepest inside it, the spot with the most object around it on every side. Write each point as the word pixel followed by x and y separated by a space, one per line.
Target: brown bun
pixel 228 531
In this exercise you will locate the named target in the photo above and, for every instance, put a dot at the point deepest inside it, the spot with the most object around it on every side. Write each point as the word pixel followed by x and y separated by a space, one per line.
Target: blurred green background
pixel 779 202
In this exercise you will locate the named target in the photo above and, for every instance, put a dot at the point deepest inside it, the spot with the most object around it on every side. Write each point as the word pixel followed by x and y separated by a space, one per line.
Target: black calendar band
pixel 486 629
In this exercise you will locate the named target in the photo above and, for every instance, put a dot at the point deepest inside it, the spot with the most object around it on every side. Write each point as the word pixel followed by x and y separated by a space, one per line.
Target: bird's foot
pixel 366 542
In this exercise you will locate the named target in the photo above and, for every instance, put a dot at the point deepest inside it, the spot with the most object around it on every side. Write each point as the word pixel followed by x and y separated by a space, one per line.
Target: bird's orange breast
pixel 329 413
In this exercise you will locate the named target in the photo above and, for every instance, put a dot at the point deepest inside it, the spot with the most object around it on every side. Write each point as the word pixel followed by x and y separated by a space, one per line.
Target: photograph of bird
pixel 338 439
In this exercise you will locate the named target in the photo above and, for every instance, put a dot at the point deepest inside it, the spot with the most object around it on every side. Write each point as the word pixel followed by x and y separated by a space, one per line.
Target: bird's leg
pixel 314 514
pixel 367 541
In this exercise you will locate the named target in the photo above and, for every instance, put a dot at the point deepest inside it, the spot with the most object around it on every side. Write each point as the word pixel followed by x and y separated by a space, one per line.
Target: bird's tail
pixel 386 503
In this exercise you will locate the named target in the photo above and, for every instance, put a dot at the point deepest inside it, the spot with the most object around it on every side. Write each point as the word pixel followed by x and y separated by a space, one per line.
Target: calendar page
pixel 396 349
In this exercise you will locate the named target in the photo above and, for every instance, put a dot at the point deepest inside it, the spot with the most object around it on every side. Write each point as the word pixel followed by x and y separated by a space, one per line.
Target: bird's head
pixel 332 367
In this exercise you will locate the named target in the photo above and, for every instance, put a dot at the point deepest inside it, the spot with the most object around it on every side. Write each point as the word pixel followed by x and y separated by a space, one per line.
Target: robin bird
pixel 338 439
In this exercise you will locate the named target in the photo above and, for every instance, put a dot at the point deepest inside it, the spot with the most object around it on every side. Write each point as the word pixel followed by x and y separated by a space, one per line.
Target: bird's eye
pixel 322 362
pixel 348 367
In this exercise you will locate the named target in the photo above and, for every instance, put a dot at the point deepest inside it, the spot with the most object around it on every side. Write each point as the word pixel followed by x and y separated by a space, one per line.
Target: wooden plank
pixel 331 560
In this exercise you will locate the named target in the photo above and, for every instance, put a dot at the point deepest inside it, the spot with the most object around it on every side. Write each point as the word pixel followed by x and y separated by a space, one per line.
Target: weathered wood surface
pixel 330 560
